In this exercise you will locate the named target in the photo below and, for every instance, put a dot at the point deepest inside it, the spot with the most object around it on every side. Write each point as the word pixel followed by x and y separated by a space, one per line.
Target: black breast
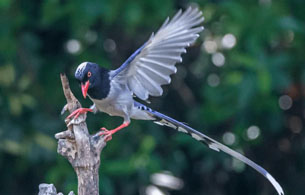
pixel 101 86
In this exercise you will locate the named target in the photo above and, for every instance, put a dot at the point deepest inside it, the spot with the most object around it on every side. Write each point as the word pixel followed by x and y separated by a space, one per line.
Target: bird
pixel 142 75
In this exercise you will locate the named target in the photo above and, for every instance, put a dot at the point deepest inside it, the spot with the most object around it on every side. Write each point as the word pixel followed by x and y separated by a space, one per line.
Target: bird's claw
pixel 64 109
pixel 78 112
pixel 107 134
pixel 103 129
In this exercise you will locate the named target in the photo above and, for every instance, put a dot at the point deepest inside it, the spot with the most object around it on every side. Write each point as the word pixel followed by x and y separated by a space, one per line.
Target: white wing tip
pixel 160 92
pixel 175 70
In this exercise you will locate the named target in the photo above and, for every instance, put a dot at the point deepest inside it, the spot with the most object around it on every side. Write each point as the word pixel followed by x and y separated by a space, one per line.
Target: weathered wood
pixel 80 148
pixel 49 189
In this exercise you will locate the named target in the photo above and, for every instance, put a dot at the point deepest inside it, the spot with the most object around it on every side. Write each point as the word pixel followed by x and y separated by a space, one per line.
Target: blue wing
pixel 152 64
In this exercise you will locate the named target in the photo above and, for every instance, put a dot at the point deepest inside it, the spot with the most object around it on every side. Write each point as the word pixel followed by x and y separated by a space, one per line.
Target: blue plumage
pixel 142 75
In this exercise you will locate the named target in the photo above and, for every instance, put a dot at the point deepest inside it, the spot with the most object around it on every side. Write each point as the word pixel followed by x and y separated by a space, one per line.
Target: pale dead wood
pixel 80 148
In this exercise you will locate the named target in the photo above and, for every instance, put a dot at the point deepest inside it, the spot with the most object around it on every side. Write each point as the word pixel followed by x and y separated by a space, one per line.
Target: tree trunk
pixel 88 179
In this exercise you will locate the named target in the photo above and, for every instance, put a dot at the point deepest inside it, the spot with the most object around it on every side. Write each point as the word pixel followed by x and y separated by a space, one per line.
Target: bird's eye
pixel 89 74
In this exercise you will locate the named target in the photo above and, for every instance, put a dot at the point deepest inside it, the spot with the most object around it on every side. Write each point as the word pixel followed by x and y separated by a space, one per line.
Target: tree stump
pixel 80 148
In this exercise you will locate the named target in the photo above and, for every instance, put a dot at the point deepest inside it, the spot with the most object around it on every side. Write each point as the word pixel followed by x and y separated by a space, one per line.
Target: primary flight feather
pixel 142 75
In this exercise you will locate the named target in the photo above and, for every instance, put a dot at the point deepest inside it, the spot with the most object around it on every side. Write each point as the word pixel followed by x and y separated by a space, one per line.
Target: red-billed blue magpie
pixel 142 74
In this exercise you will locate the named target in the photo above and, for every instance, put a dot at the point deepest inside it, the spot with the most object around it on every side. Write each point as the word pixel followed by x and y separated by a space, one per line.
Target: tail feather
pixel 164 120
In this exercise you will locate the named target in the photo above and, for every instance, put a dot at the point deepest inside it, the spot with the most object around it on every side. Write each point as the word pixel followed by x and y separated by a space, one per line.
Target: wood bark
pixel 80 148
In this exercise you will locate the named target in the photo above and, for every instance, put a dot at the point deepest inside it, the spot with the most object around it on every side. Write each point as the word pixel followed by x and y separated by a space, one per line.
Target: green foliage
pixel 40 39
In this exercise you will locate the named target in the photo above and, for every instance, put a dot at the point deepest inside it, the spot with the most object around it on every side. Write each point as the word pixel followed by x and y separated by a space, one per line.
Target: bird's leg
pixel 79 111
pixel 109 133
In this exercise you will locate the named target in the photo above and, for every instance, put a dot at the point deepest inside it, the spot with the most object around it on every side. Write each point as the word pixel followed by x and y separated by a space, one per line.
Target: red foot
pixel 79 111
pixel 106 133
pixel 109 133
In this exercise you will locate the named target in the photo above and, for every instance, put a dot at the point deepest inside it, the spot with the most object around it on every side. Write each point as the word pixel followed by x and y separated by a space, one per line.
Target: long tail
pixel 162 119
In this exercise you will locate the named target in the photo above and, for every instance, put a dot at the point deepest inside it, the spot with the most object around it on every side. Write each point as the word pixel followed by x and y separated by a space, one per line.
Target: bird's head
pixel 87 74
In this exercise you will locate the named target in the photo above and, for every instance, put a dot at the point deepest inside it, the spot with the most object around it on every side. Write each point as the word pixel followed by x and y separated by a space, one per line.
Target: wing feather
pixel 160 67
pixel 151 65
pixel 165 57
pixel 153 87
pixel 169 51
pixel 155 75
pixel 176 16
pixel 142 94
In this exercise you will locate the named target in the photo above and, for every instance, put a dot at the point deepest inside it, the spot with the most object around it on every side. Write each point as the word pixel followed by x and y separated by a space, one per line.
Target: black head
pixel 91 77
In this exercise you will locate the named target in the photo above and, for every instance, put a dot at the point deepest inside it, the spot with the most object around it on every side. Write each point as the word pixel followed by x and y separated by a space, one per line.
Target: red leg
pixel 109 133
pixel 79 111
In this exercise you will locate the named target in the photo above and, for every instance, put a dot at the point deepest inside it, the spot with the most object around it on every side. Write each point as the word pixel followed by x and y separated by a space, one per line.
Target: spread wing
pixel 153 63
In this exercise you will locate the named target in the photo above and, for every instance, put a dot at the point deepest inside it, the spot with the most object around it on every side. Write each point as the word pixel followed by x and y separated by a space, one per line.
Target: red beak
pixel 85 88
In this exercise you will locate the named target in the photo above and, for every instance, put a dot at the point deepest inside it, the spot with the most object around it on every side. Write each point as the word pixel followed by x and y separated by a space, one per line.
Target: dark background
pixel 241 83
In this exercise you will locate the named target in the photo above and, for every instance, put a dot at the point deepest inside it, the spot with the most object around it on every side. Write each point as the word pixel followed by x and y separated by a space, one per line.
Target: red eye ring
pixel 89 74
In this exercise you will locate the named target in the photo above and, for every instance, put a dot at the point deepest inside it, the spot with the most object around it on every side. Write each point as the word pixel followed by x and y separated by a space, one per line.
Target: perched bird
pixel 142 74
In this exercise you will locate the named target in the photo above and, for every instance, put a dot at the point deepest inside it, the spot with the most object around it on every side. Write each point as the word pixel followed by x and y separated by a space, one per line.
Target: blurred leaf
pixel 7 75
pixel 234 78
pixel 288 22
pixel 15 105
pixel 264 81
pixel 11 147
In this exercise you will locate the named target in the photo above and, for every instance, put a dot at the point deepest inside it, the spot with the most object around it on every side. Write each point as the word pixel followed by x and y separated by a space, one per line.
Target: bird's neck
pixel 102 85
